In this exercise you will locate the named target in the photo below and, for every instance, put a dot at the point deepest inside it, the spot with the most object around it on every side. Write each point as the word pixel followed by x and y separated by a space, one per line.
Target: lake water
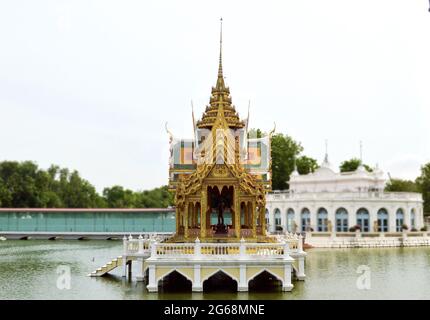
pixel 28 270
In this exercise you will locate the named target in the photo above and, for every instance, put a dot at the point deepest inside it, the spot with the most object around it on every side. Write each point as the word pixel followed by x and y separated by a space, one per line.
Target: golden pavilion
pixel 220 177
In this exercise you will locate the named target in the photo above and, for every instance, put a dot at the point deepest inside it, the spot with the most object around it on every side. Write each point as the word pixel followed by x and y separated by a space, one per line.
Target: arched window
pixel 399 219
pixel 382 220
pixel 363 219
pixel 290 220
pixel 277 218
pixel 413 219
pixel 267 218
pixel 322 216
pixel 341 220
pixel 306 219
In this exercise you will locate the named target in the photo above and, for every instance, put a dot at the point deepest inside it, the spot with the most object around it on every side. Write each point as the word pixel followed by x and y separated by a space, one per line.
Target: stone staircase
pixel 117 262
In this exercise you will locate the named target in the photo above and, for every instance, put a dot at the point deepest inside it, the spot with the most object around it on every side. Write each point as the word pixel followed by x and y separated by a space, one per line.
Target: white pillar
pixel 372 217
pixel 140 276
pixel 242 248
pixel 140 251
pixel 300 244
pixel 392 220
pixel 352 216
pixel 301 271
pixel 284 220
pixel 152 281
pixel 407 218
pixel 272 221
pixel 331 217
pixel 197 283
pixel 243 284
pixel 313 217
pixel 124 257
pixel 287 285
pixel 286 250
pixel 197 249
pixel 153 245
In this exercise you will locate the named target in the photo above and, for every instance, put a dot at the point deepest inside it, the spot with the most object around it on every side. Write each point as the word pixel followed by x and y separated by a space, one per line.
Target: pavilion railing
pixel 151 247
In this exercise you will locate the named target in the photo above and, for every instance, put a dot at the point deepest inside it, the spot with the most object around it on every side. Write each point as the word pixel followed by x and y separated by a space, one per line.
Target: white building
pixel 329 201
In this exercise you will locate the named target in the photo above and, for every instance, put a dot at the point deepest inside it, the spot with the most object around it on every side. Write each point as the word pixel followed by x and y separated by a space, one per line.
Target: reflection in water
pixel 28 271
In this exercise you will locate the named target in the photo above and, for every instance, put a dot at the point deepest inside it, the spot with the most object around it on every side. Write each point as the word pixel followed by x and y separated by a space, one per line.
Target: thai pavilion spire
pixel 220 105
pixel 220 81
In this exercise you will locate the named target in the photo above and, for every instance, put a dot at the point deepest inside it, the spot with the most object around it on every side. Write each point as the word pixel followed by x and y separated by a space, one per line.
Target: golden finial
pixel 220 81
pixel 220 50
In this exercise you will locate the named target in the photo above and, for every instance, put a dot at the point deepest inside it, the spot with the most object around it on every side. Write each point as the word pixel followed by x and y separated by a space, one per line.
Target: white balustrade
pixel 197 250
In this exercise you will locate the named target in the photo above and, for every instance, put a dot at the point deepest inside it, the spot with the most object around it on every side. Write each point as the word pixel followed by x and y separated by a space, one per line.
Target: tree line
pixel 24 184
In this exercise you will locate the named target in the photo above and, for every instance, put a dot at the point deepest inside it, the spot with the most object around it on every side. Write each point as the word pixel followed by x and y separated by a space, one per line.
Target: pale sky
pixel 88 85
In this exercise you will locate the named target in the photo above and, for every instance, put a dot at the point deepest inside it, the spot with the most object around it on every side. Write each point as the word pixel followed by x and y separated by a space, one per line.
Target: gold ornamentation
pixel 220 114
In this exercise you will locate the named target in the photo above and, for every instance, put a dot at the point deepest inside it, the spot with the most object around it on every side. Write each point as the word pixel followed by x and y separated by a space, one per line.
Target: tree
pixel 352 165
pixel 23 184
pixel 285 151
pixel 399 185
pixel 118 197
pixel 423 182
pixel 306 165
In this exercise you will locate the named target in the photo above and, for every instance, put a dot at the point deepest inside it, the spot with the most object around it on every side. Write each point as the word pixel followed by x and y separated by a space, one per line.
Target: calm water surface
pixel 28 270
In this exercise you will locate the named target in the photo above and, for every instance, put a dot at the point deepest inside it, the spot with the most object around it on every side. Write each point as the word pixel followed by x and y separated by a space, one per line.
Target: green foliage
pixel 423 182
pixel 352 165
pixel 255 133
pixel 284 152
pixel 306 165
pixel 399 185
pixel 23 184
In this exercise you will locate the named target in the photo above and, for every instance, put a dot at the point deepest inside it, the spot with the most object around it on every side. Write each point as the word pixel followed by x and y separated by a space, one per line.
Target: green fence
pixel 88 221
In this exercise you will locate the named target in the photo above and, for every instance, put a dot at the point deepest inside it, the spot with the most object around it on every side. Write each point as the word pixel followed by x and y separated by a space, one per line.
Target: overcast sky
pixel 89 84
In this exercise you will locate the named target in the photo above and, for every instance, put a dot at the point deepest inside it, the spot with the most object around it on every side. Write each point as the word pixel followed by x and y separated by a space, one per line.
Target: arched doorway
pixel 363 219
pixel 220 282
pixel 322 217
pixel 174 282
pixel 382 216
pixel 400 217
pixel 277 221
pixel 305 220
pixel 341 220
pixel 221 207
pixel 264 282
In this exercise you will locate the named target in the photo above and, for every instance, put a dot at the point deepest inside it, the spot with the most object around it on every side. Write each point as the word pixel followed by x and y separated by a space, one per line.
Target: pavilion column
pixel 262 215
pixel 178 219
pixel 254 220
pixel 203 209
pixel 407 218
pixel 186 221
pixel 236 211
